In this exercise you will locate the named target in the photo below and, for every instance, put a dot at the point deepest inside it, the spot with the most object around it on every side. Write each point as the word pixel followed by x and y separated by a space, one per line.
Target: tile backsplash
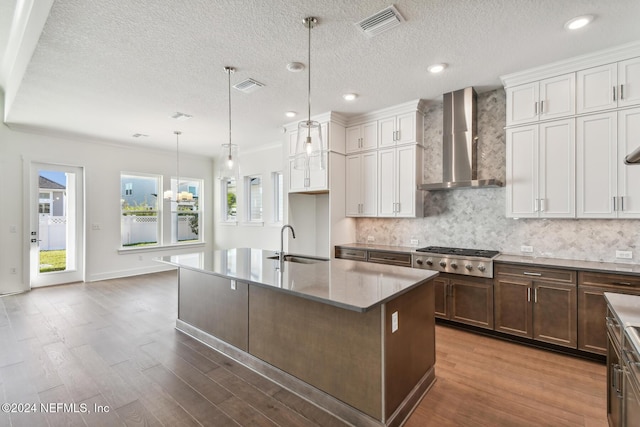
pixel 475 218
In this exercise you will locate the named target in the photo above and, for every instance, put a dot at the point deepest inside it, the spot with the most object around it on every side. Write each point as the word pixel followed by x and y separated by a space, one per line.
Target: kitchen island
pixel 355 339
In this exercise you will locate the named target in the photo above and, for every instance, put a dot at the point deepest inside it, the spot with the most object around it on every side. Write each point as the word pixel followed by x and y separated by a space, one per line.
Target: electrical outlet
pixel 394 321
pixel 371 239
pixel 13 270
pixel 415 242
pixel 95 226
pixel 233 285
pixel 624 254
pixel 526 249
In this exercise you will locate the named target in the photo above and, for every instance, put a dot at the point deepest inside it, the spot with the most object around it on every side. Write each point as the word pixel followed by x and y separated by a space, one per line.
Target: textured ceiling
pixel 107 69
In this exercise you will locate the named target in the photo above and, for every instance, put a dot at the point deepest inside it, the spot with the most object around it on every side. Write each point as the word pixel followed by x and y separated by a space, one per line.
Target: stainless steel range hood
pixel 459 144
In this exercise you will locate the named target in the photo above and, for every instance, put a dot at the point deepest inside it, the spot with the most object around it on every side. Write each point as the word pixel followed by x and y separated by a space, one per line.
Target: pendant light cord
pixel 229 71
pixel 177 132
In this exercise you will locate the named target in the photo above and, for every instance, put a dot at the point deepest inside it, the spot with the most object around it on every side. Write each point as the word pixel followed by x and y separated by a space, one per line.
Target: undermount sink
pixel 300 259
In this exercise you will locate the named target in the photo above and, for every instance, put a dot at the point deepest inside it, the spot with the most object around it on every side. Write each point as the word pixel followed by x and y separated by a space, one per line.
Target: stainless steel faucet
pixel 293 233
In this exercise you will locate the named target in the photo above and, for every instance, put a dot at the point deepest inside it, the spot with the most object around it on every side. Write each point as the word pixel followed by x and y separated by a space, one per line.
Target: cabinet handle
pixel 535 205
pixel 528 294
pixel 526 273
pixel 535 108
pixel 541 107
pixel 621 91
pixel 621 283
pixel 615 208
pixel 541 205
pixel 614 93
pixel 621 203
pixel 535 295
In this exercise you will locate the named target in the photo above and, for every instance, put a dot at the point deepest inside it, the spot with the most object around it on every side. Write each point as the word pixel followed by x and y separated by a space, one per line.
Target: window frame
pixel 158 209
pixel 225 218
pixel 278 194
pixel 247 199
pixel 185 185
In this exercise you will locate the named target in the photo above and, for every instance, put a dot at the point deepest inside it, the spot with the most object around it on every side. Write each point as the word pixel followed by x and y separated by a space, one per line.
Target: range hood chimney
pixel 459 144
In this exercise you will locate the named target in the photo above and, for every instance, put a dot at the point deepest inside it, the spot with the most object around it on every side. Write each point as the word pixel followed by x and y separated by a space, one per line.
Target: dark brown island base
pixel 356 339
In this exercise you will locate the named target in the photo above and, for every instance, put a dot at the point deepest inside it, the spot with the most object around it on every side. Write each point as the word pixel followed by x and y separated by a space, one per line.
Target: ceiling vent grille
pixel 248 86
pixel 380 22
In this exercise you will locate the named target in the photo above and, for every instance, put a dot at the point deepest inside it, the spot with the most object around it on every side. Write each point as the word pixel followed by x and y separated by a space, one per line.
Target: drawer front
pixel 609 280
pixel 356 254
pixel 390 258
pixel 536 273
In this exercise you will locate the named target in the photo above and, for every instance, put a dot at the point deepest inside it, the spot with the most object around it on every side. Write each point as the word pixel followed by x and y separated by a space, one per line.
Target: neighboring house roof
pixel 48 184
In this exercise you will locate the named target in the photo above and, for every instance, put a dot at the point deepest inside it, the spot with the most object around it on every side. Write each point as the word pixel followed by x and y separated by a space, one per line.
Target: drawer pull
pixel 621 283
pixel 526 273
pixel 350 253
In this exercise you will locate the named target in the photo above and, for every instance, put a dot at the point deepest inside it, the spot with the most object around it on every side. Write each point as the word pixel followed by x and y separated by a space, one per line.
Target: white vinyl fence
pixel 143 229
pixel 52 232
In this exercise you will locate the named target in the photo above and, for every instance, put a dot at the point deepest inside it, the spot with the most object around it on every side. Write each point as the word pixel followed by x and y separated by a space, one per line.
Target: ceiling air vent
pixel 380 22
pixel 248 86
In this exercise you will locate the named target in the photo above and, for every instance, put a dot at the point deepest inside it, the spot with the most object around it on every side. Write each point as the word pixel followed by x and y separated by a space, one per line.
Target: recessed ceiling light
pixel 436 68
pixel 290 114
pixel 295 67
pixel 578 22
pixel 349 96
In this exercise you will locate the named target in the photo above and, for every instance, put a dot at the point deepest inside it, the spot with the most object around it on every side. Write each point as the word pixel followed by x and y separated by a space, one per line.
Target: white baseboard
pixel 127 273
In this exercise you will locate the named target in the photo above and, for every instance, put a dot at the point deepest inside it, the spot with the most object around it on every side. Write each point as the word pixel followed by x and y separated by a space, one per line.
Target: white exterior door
pixel 56 247
pixel 628 175
pixel 557 148
pixel 596 88
pixel 596 164
pixel 522 172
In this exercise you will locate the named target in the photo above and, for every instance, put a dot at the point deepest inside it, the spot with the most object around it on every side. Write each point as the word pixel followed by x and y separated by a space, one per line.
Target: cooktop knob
pixel 454 264
pixel 481 267
pixel 429 262
pixel 419 261
pixel 443 264
pixel 468 267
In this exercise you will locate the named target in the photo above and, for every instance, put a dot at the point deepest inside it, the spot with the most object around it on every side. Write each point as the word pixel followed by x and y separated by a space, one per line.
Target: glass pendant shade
pixel 311 153
pixel 228 161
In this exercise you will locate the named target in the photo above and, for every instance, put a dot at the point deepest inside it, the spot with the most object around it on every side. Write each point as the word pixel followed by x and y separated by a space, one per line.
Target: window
pixel 253 191
pixel 139 225
pixel 278 197
pixel 186 212
pixel 229 199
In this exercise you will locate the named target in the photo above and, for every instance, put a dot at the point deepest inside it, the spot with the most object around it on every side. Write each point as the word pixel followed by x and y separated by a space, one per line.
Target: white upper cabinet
pixel 628 175
pixel 608 86
pixel 362 137
pixel 398 174
pixel 362 184
pixel 545 99
pixel 541 170
pixel 400 129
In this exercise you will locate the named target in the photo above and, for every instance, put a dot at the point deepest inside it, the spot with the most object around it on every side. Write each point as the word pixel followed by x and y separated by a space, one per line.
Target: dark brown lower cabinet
pixel 592 307
pixel 537 303
pixel 466 300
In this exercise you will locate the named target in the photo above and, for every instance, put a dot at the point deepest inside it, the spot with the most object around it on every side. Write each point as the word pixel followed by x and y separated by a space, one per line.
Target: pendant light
pixel 180 196
pixel 228 159
pixel 310 151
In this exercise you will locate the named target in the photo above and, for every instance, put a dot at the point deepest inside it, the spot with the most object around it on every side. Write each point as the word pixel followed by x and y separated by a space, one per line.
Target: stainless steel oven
pixel 631 378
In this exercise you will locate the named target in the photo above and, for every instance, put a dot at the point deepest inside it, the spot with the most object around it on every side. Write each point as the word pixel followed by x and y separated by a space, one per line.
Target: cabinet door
pixel 318 179
pixel 522 104
pixel 406 126
pixel 387 184
pixel 406 175
pixel 557 97
pixel 441 293
pixel 513 307
pixel 293 139
pixel 522 171
pixel 557 185
pixel 369 184
pixel 629 81
pixel 353 138
pixel 628 175
pixel 592 325
pixel 555 313
pixel 369 135
pixel 596 165
pixel 472 302
pixel 386 132
pixel 353 185
pixel 596 88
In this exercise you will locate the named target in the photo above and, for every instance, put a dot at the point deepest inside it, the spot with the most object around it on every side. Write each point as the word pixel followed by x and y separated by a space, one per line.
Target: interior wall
pixel 102 165
pixel 475 218
pixel 266 235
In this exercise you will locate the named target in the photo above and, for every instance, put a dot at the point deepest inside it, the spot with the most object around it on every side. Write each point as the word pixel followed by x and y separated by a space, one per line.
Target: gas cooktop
pixel 459 252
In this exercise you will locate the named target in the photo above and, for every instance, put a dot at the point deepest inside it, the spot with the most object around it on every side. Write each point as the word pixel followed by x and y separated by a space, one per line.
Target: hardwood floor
pixel 112 345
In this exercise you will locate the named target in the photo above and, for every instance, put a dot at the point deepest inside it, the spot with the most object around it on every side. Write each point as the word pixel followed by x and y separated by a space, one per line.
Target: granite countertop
pixel 595 266
pixel 626 308
pixel 352 285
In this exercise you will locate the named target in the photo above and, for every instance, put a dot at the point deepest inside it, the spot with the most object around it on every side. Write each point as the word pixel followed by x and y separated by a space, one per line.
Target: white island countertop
pixel 353 285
